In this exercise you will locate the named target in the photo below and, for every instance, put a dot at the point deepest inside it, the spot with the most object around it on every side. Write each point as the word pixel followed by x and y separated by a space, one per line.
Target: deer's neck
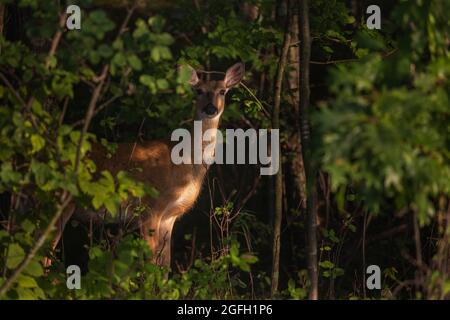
pixel 204 133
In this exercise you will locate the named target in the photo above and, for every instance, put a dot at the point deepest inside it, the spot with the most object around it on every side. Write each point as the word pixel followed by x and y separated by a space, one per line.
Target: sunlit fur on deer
pixel 179 185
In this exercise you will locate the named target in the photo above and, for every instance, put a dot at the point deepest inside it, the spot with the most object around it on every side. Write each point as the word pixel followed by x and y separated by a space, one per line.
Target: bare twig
pixel 64 110
pixel 90 113
pixel 256 98
pixel 13 91
pixel 252 191
pixel 386 55
pixel 97 110
pixel 56 38
pixel 334 61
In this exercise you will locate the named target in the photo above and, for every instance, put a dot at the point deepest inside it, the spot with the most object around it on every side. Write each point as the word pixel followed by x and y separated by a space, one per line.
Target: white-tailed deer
pixel 178 185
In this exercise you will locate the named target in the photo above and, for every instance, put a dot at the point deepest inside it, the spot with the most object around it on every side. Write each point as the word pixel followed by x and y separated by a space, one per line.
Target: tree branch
pixel 97 92
pixel 56 38
pixel 11 88
pixel 66 199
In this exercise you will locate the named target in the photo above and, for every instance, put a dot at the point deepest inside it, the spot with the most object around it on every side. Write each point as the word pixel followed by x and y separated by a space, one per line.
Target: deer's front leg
pixel 148 229
pixel 157 231
pixel 163 250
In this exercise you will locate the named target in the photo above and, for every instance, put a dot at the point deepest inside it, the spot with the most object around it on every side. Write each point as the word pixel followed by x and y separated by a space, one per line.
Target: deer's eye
pixel 198 91
pixel 222 92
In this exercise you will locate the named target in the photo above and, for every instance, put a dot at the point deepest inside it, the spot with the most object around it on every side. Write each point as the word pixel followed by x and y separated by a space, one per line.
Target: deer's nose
pixel 210 109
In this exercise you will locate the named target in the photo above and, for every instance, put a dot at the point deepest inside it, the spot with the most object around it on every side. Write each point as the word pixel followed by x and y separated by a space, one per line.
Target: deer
pixel 179 185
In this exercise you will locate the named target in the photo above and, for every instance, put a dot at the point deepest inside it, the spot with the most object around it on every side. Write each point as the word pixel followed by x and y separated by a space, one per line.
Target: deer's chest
pixel 182 199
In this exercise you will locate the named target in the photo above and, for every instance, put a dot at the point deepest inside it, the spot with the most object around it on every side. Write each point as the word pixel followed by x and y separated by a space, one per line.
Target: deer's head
pixel 211 94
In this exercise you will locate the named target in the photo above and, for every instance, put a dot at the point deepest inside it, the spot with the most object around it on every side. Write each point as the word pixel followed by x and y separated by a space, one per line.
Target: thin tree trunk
pixel 279 176
pixel 306 140
pixel 296 164
pixel 356 11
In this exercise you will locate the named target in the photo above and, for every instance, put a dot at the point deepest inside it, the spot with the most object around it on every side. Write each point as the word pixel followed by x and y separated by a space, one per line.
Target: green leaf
pixel 26 281
pixel 351 19
pixel 157 23
pixel 107 181
pixel 105 51
pixel 184 74
pixel 135 62
pixel 326 264
pixel 36 106
pixel 15 255
pixel 446 289
pixel 98 200
pixel 44 175
pixel 25 294
pixel 39 293
pixel 118 44
pixel 141 29
pixel 249 258
pixel 8 174
pixel 155 54
pixel 164 39
pixel 52 61
pixel 28 226
pixel 327 49
pixel 119 59
pixel 148 81
pixel 165 53
pixel 162 84
pixel 112 205
pixel 37 143
pixel 34 269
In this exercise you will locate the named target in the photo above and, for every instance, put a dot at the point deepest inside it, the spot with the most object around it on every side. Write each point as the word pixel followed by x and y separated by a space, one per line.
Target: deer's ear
pixel 234 75
pixel 193 80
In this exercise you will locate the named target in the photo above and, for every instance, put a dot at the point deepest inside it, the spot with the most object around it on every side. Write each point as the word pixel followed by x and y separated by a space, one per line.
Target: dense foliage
pixel 380 103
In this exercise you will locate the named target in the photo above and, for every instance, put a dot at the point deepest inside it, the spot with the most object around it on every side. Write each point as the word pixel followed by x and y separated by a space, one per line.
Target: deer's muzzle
pixel 210 110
